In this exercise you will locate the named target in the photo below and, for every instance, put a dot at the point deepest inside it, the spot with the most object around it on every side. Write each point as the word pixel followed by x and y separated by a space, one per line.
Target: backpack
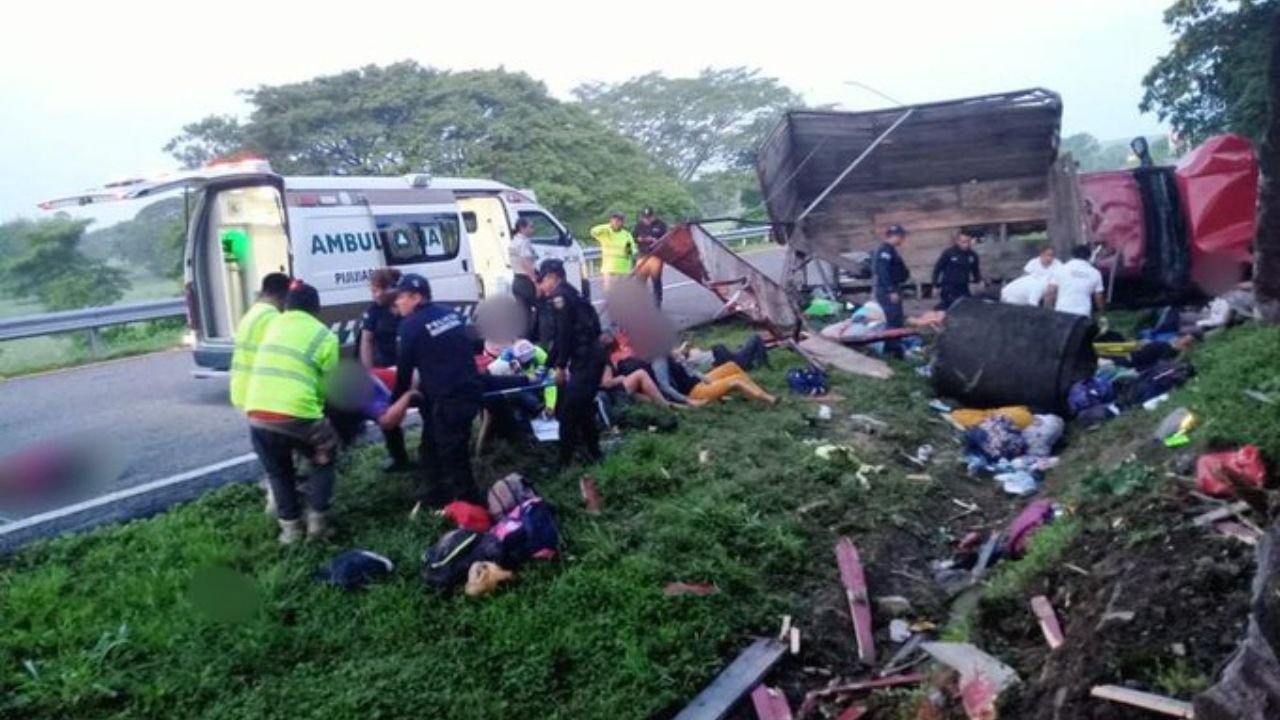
pixel 445 565
pixel 527 531
pixel 1090 392
pixel 807 381
pixel 508 493
pixel 355 568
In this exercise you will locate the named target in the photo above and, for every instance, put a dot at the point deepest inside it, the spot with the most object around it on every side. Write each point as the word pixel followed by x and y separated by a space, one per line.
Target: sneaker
pixel 318 526
pixel 290 531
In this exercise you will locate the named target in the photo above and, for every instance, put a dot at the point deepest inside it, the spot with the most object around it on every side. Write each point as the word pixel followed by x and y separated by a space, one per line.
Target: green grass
pixel 1044 551
pixel 104 624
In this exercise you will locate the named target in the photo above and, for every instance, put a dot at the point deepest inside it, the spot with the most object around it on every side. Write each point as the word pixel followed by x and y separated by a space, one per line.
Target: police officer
pixel 647 232
pixel 284 399
pixel 434 342
pixel 891 272
pixel 955 269
pixel 577 359
pixel 379 330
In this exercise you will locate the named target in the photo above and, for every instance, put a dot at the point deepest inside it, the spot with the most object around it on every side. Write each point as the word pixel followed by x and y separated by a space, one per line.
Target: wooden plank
pixel 1246 535
pixel 1146 701
pixel 743 674
pixel 895 681
pixel 1049 624
pixel 1222 513
pixel 770 703
pixel 853 712
pixel 1066 226
pixel 855 590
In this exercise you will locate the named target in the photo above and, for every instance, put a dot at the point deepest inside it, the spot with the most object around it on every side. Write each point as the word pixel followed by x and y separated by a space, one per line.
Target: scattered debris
pixel 853 712
pixel 1260 397
pixel 1178 649
pixel 795 640
pixel 921 477
pixel 1218 474
pixel 910 576
pixel 984 557
pixel 893 605
pixel 899 630
pixel 743 674
pixel 1049 625
pixel 1246 535
pixel 865 685
pixel 1144 700
pixel 1222 513
pixel 770 703
pixel 982 677
pixel 810 507
pixel 683 588
pixel 785 632
pixel 868 424
pixel 902 659
pixel 1112 615
pixel 855 589
pixel 704 457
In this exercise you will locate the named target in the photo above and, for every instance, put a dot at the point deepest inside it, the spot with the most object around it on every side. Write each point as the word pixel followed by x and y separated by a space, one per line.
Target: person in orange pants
pixel 725 379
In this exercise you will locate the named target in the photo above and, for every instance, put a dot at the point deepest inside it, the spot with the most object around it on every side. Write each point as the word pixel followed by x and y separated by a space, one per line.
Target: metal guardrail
pixel 90 319
pixel 591 255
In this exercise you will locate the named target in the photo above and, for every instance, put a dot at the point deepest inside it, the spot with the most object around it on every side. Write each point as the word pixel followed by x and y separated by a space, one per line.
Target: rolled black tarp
pixel 993 354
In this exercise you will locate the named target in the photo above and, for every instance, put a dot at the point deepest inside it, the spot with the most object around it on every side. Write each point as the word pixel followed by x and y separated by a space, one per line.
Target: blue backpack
pixel 527 531
pixel 807 381
pixel 1090 392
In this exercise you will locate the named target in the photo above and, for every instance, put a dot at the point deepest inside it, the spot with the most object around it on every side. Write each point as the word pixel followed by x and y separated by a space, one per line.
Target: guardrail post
pixel 95 343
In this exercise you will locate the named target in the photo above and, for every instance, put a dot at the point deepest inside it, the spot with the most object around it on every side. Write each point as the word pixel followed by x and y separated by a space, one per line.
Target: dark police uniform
pixel 953 272
pixel 434 341
pixel 575 346
pixel 891 273
pixel 384 323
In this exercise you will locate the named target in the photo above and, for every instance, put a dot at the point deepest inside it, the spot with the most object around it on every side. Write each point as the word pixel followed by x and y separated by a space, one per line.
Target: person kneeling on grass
pixel 285 400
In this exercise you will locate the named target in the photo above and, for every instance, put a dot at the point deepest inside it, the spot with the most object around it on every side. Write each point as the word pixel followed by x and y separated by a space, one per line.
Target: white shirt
pixel 1035 267
pixel 1026 290
pixel 1077 283
pixel 521 249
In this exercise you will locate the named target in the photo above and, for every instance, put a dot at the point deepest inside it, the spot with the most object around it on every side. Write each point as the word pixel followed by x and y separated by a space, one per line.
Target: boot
pixel 271 499
pixel 317 526
pixel 290 531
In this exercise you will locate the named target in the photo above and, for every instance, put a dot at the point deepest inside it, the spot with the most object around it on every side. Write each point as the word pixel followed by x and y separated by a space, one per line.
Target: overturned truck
pixel 833 181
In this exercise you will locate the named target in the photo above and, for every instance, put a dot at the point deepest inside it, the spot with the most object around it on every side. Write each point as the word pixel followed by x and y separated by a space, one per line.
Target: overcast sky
pixel 90 94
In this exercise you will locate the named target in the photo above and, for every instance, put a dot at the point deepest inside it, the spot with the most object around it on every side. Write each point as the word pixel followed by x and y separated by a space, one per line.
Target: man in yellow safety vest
pixel 617 248
pixel 285 404
pixel 248 335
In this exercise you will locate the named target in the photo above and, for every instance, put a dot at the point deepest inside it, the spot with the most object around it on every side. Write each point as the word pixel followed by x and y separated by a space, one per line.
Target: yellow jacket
pixel 616 249
pixel 295 361
pixel 247 338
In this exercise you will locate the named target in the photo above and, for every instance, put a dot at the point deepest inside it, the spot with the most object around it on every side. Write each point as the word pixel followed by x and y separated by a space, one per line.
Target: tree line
pixel 682 145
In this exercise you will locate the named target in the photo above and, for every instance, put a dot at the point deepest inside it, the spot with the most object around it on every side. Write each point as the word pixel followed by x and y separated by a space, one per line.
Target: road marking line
pixel 126 493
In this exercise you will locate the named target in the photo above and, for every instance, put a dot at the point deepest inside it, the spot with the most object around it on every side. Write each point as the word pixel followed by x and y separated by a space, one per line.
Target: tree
pixel 49 266
pixel 406 118
pixel 1214 78
pixel 710 122
pixel 153 239
pixel 1267 268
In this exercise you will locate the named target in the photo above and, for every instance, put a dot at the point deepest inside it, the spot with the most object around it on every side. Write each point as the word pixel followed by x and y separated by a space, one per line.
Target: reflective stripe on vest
pixel 286 375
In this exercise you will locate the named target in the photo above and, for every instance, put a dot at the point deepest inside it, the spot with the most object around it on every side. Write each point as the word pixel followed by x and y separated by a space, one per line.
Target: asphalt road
pixel 158 420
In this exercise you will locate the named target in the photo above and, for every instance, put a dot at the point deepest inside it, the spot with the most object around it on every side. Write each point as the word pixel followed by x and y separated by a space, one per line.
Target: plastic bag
pixel 1213 470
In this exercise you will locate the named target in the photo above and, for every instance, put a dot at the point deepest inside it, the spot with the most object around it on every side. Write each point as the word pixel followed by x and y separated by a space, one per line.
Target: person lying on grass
pixel 636 382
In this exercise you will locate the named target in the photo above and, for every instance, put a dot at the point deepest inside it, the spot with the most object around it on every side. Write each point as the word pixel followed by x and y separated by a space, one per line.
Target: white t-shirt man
pixel 1035 267
pixel 1026 290
pixel 1077 282
pixel 521 255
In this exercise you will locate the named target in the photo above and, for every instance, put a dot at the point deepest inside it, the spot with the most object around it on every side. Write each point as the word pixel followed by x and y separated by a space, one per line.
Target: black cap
pixel 618 215
pixel 412 282
pixel 551 266
pixel 895 229
pixel 647 212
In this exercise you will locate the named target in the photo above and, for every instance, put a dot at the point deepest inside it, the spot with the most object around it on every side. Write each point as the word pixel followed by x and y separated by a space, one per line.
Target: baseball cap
pixel 895 229
pixel 617 214
pixel 412 282
pixel 551 266
pixel 523 350
pixel 647 212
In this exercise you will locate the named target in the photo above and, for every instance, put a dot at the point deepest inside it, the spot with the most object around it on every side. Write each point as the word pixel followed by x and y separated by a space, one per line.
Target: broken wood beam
pixel 1049 624
pixel 770 703
pixel 744 673
pixel 855 590
pixel 1244 534
pixel 1222 513
pixel 1144 700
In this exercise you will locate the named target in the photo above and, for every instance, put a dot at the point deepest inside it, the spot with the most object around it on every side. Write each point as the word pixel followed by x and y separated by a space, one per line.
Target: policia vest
pixel 295 359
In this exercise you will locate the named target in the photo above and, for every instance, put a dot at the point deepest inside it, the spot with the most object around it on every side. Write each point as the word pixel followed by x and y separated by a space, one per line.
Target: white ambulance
pixel 331 232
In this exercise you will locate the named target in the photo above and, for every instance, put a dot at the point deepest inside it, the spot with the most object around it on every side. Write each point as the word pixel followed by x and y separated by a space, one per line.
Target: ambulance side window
pixel 545 231
pixel 420 239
